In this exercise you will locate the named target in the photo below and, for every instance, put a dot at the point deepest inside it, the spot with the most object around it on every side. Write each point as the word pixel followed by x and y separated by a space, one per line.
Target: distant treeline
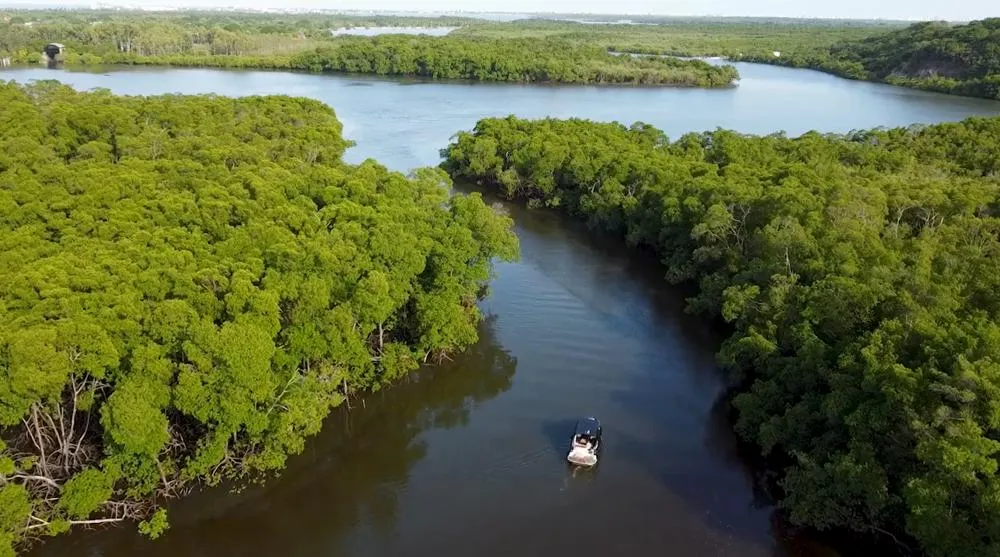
pixel 192 42
pixel 731 37
pixel 936 56
pixel 73 22
pixel 509 60
pixel 859 273
pixel 959 59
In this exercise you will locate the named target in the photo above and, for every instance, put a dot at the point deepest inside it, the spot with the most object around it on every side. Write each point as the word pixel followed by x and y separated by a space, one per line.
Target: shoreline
pixel 906 82
pixel 83 68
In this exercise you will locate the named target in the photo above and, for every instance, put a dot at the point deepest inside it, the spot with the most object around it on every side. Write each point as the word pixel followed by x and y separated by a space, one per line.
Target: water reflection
pixel 676 436
pixel 349 478
pixel 558 433
pixel 442 465
pixel 404 126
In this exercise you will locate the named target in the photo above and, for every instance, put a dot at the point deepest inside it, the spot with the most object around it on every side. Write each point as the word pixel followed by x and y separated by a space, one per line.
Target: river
pixel 467 458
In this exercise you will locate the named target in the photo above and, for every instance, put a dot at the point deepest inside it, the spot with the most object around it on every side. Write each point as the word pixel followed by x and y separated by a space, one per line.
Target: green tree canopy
pixel 859 273
pixel 192 283
pixel 248 41
pixel 937 56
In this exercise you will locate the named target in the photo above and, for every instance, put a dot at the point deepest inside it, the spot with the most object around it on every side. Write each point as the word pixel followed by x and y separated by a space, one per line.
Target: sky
pixel 955 10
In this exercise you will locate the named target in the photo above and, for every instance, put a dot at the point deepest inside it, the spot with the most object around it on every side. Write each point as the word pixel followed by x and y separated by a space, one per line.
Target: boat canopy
pixel 589 427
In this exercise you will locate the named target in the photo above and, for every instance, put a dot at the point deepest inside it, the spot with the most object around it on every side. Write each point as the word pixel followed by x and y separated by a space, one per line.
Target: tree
pixel 858 275
pixel 192 283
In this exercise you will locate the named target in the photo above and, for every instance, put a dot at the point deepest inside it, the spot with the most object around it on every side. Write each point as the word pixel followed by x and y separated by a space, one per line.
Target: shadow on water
pixel 348 478
pixel 685 441
pixel 639 269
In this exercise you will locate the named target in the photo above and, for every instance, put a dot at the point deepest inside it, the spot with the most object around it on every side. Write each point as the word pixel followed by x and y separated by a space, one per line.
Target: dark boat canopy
pixel 590 427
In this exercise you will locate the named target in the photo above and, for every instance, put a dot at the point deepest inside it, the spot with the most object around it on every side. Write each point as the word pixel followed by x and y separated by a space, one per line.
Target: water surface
pixel 467 458
pixel 404 123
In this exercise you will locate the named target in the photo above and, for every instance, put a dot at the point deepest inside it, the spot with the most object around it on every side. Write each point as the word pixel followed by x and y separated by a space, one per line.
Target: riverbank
pixel 939 57
pixel 597 71
pixel 976 88
pixel 199 324
pixel 496 60
pixel 983 88
pixel 527 51
pixel 828 296
pixel 681 76
pixel 590 328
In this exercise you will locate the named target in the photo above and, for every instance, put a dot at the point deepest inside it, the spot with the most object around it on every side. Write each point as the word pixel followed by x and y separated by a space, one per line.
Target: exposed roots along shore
pixel 193 283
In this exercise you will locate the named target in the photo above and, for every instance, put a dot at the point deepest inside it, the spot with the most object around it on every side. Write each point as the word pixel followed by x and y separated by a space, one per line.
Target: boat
pixel 586 442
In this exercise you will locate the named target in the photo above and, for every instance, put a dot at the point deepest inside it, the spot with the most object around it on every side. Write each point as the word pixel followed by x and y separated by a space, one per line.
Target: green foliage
pixel 101 32
pixel 192 283
pixel 30 369
pixel 156 525
pixel 959 59
pixel 182 42
pixel 859 275
pixel 522 60
pixel 7 466
pixel 685 36
pixel 15 507
pixel 133 418
pixel 937 56
pixel 86 492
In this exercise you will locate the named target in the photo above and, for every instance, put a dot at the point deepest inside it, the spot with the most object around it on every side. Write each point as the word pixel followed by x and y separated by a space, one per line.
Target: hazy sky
pixel 862 9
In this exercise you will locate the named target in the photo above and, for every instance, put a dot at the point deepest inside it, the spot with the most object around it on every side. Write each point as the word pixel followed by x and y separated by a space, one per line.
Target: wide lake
pixel 468 458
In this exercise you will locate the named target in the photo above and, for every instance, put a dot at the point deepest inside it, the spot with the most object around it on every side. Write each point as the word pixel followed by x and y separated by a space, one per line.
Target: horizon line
pixel 98 6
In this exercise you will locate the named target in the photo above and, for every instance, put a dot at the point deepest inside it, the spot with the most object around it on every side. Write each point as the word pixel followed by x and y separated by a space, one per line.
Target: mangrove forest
pixel 858 277
pixel 191 283
pixel 190 41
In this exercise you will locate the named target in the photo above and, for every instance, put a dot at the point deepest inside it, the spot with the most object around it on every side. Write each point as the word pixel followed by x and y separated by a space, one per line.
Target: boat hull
pixel 581 457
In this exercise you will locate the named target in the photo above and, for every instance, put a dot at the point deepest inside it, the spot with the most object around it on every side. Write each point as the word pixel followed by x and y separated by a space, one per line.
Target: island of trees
pixel 858 275
pixel 524 60
pixel 192 283
pixel 203 41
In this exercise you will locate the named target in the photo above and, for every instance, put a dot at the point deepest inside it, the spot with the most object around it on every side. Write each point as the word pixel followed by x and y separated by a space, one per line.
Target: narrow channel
pixel 467 458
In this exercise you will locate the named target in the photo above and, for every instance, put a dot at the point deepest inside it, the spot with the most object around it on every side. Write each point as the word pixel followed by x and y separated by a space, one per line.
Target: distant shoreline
pixel 591 17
